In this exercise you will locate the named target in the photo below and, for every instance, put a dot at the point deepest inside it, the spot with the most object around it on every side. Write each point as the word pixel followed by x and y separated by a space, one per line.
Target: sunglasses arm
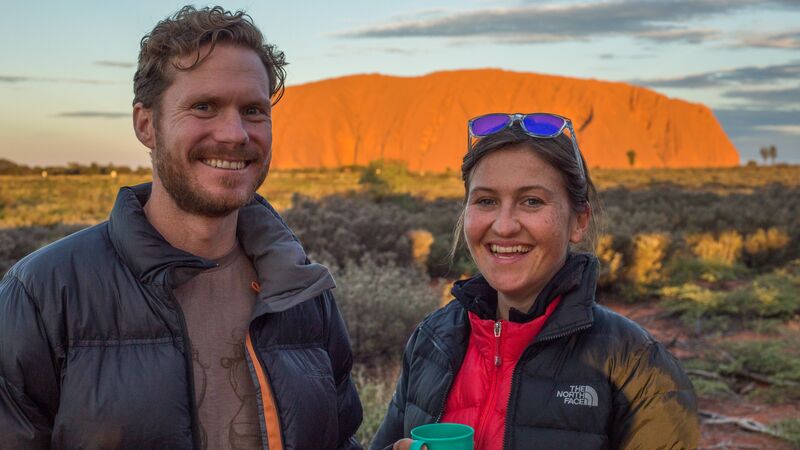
pixel 576 149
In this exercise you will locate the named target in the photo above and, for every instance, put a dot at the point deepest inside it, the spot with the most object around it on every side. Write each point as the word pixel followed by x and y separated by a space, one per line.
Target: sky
pixel 66 68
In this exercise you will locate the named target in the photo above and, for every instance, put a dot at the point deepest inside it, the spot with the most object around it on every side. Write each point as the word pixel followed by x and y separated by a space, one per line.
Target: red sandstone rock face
pixel 422 120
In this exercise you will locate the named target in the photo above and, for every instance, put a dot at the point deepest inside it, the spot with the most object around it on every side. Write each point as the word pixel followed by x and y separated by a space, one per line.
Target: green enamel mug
pixel 443 436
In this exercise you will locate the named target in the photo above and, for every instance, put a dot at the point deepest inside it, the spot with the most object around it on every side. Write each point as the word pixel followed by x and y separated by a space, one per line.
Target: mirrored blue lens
pixel 543 125
pixel 488 124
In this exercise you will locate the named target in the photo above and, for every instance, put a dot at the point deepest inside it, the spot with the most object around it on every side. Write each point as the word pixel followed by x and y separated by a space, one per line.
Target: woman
pixel 524 355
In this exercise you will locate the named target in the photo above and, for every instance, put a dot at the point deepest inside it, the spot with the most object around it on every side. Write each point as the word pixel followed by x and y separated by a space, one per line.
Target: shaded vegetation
pixel 719 248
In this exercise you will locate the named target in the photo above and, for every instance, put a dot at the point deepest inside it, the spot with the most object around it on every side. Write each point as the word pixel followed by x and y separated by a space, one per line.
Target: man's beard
pixel 187 192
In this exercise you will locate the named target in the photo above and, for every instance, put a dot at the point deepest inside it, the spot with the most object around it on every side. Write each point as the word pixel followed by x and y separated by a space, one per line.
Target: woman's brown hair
pixel 557 152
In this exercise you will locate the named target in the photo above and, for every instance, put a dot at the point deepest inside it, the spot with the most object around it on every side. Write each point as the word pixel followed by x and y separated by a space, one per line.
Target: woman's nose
pixel 506 222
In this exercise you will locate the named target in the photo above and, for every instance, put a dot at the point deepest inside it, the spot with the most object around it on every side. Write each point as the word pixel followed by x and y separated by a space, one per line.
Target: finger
pixel 402 444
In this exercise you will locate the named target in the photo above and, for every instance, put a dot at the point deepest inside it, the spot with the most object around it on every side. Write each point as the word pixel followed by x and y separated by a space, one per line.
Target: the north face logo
pixel 578 395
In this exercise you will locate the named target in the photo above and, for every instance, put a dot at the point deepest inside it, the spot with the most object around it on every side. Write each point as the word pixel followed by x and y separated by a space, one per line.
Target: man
pixel 192 317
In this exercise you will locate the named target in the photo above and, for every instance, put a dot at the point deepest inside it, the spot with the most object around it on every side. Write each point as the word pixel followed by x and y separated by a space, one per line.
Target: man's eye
pixel 201 107
pixel 254 111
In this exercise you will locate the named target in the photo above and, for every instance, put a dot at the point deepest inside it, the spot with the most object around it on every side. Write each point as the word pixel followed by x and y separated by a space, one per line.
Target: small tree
pixel 764 153
pixel 631 154
pixel 773 153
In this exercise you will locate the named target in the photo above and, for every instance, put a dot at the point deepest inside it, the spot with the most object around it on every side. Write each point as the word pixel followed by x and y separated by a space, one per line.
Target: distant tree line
pixel 8 167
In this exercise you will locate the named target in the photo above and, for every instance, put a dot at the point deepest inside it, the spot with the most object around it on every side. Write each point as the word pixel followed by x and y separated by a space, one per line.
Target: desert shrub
pixel 764 247
pixel 672 208
pixel 421 241
pixel 649 253
pixel 723 249
pixel 736 364
pixel 342 228
pixel 375 388
pixel 789 429
pixel 684 269
pixel 381 305
pixel 382 177
pixel 768 296
pixel 346 228
pixel 711 388
pixel 611 261
pixel 778 361
pixel 15 243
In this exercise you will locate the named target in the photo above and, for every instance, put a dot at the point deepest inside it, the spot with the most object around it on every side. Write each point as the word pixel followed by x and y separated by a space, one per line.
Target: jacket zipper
pixel 527 355
pixel 187 355
pixel 498 328
pixel 254 357
pixel 498 361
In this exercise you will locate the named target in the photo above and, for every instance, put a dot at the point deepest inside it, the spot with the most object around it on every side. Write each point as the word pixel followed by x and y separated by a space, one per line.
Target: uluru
pixel 357 119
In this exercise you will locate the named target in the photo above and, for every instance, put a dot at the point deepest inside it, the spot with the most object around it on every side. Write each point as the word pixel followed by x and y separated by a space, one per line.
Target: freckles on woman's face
pixel 518 221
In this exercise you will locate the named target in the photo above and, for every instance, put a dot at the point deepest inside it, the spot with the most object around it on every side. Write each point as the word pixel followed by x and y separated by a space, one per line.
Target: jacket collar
pixel 285 274
pixel 576 282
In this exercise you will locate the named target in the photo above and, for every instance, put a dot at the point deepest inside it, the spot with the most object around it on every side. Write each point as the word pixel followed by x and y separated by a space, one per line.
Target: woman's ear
pixel 581 225
pixel 143 125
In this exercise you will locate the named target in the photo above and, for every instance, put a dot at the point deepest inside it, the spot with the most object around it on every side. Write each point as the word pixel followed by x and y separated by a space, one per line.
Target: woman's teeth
pixel 512 249
pixel 222 164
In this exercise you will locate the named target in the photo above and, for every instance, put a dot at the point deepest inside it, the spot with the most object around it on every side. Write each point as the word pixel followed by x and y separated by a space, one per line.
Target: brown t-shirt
pixel 217 304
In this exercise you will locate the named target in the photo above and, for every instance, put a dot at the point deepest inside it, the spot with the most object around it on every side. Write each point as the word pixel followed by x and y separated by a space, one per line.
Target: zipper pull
pixel 498 327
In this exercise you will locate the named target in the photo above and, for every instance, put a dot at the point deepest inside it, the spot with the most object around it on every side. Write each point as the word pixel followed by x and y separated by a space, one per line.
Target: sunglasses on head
pixel 539 125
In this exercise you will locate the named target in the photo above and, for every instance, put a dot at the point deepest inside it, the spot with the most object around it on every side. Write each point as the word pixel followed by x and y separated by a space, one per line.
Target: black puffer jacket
pixel 94 349
pixel 590 380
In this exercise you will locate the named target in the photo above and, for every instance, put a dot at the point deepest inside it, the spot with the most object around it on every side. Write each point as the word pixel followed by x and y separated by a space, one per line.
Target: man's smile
pixel 225 164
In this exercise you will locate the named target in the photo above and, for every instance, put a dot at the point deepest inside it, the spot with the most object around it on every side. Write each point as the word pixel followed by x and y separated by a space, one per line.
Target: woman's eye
pixel 533 201
pixel 485 201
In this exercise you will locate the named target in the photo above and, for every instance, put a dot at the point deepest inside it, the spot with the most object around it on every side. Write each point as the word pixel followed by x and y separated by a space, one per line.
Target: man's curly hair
pixel 184 33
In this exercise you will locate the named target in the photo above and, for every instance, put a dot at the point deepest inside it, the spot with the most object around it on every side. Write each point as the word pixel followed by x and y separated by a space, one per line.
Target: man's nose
pixel 231 129
pixel 506 223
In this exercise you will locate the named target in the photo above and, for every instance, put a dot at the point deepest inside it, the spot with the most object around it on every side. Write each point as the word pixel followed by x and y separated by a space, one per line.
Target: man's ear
pixel 144 125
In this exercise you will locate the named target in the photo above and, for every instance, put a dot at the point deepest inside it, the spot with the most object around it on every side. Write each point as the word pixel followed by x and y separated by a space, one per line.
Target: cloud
pixel 784 96
pixel 746 122
pixel 679 34
pixel 119 64
pixel 94 115
pixel 339 51
pixel 740 75
pixel 29 79
pixel 789 40
pixel 647 19
pixel 784 129
pixel 13 79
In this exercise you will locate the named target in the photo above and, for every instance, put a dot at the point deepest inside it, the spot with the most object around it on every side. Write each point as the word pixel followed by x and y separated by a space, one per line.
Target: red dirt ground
pixel 684 344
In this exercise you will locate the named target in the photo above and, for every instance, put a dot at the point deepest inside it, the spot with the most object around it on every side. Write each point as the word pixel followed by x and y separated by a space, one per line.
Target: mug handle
pixel 417 445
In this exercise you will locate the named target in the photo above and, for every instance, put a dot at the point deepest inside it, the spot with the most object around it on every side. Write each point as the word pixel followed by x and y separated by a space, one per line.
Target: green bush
pixel 685 269
pixel 16 243
pixel 339 229
pixel 768 296
pixel 738 364
pixel 789 429
pixel 375 388
pixel 382 304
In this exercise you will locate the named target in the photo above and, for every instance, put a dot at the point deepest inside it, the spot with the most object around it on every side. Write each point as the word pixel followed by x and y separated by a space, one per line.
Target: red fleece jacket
pixel 480 394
